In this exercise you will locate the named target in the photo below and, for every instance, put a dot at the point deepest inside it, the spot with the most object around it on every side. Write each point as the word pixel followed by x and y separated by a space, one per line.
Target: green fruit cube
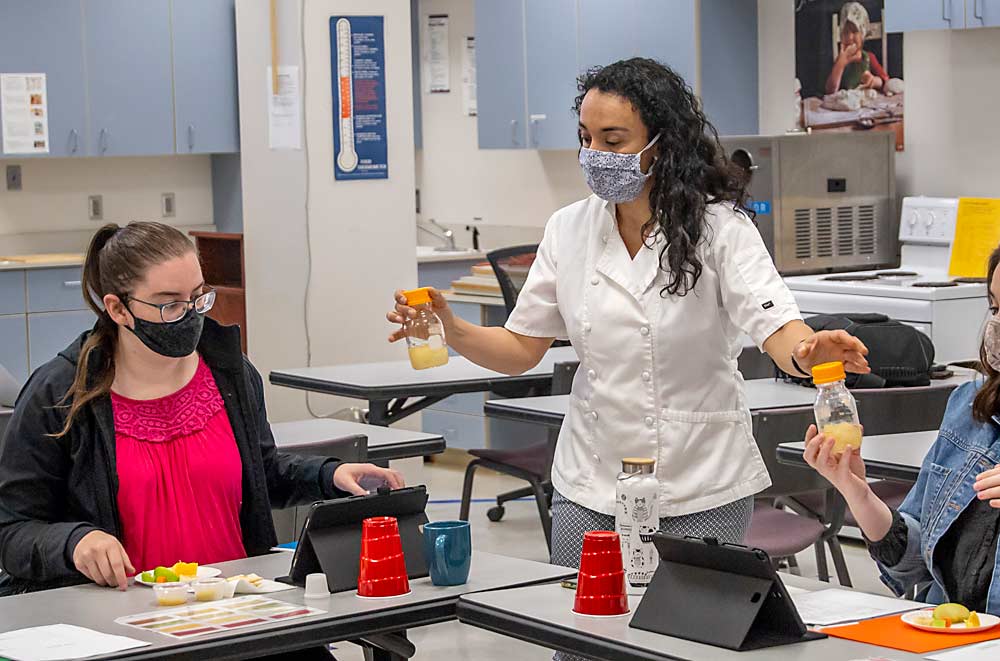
pixel 148 577
pixel 166 573
pixel 940 624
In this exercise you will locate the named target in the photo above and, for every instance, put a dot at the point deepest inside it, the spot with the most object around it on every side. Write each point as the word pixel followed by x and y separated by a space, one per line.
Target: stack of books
pixel 483 282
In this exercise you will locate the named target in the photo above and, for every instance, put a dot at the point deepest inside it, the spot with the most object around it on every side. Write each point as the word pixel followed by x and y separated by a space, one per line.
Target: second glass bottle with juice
pixel 835 408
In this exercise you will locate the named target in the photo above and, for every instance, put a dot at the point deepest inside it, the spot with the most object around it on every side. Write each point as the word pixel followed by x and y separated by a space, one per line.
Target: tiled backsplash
pixel 75 241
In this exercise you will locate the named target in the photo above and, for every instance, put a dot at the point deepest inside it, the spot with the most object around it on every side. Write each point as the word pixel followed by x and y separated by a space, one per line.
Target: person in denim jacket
pixel 943 539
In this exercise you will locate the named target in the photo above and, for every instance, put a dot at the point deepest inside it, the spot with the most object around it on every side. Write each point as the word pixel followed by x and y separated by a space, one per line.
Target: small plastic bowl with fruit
pixel 171 594
pixel 212 589
pixel 950 618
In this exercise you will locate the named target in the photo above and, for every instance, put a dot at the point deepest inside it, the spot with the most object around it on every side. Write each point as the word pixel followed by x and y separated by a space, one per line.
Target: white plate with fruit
pixel 950 618
pixel 182 572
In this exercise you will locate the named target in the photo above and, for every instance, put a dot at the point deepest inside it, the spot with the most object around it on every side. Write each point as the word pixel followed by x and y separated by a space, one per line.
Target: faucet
pixel 446 235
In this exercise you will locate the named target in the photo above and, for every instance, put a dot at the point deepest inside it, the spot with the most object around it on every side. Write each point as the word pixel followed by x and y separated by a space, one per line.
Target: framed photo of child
pixel 849 72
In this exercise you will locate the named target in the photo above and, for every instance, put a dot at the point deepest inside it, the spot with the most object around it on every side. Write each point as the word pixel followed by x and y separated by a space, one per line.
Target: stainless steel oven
pixel 825 201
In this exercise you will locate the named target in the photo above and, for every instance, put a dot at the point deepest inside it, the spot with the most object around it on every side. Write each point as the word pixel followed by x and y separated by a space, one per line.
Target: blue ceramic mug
pixel 448 549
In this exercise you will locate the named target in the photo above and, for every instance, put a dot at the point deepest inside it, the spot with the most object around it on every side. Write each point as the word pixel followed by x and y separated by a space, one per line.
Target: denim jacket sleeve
pixel 911 570
pixel 923 501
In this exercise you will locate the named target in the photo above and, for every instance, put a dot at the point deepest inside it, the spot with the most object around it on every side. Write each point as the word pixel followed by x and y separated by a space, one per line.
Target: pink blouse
pixel 180 477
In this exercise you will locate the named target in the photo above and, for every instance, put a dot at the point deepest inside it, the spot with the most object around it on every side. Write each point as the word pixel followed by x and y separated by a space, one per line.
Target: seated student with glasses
pixel 146 441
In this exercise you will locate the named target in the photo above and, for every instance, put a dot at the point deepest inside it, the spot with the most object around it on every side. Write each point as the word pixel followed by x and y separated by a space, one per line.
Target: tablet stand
pixel 338 549
pixel 718 608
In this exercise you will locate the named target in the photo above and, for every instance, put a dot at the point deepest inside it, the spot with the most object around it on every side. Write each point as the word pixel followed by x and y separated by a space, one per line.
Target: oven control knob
pixel 911 218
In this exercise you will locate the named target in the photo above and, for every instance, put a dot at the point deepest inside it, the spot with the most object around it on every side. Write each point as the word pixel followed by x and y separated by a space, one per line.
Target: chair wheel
pixel 495 513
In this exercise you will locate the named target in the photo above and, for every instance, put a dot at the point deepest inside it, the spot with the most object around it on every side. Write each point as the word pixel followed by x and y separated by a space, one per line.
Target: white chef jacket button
pixel 586 327
pixel 604 238
pixel 597 459
pixel 594 281
pixel 650 421
pixel 593 417
pixel 646 376
pixel 644 330
pixel 592 375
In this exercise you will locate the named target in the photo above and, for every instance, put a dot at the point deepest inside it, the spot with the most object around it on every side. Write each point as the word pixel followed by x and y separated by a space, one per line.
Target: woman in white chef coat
pixel 653 278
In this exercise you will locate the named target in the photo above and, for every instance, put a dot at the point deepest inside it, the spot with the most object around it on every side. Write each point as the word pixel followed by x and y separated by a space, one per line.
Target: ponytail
pixel 116 259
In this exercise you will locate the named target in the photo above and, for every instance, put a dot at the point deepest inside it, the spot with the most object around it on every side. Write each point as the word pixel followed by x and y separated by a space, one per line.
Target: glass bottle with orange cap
pixel 425 338
pixel 835 408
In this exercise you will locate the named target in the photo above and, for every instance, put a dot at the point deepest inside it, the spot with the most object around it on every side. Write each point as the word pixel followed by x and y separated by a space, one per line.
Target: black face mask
pixel 175 340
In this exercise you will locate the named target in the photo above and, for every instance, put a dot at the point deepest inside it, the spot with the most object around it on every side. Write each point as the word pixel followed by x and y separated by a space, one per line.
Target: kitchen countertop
pixel 428 255
pixel 24 262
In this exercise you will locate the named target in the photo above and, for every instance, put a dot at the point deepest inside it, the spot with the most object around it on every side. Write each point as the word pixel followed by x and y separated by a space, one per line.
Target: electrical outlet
pixel 13 177
pixel 95 207
pixel 168 207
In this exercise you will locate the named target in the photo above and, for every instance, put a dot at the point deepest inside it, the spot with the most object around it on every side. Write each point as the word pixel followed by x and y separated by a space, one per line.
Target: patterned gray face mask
pixel 615 177
pixel 991 342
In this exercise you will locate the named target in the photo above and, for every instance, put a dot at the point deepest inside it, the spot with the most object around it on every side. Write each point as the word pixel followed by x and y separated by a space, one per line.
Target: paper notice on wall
pixel 284 110
pixel 977 233
pixel 437 65
pixel 469 77
pixel 25 103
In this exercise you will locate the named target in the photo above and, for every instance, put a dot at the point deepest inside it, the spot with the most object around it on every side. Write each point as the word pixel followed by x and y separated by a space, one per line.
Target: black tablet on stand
pixel 330 542
pixel 719 594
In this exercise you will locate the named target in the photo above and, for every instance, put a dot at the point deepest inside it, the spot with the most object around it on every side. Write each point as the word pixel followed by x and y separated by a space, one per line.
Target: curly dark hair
pixel 987 402
pixel 692 170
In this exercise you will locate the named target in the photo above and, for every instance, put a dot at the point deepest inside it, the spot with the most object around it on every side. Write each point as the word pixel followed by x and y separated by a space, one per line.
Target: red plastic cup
pixel 382 570
pixel 600 586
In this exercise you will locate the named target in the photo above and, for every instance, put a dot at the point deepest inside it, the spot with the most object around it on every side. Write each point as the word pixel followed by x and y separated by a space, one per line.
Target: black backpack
pixel 899 355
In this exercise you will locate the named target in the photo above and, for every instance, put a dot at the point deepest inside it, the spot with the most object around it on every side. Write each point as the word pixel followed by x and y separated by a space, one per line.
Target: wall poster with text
pixel 849 72
pixel 357 54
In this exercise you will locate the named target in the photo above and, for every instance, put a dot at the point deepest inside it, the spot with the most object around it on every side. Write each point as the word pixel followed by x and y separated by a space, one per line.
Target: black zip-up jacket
pixel 53 491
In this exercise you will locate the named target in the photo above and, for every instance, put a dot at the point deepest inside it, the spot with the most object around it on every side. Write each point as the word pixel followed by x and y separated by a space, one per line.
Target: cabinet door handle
pixel 72 284
pixel 74 143
pixel 533 127
pixel 977 9
pixel 103 141
pixel 190 137
pixel 946 10
pixel 513 131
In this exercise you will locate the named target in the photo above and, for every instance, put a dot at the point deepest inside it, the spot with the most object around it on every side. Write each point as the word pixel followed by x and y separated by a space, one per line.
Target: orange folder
pixel 890 631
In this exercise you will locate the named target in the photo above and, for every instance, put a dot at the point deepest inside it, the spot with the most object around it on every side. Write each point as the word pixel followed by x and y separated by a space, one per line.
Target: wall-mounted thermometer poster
pixel 357 53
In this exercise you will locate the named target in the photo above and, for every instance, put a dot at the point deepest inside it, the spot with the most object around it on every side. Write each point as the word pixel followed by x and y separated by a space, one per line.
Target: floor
pixel 519 535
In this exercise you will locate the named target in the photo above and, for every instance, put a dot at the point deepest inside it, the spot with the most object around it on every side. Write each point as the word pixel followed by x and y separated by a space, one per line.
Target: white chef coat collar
pixel 637 275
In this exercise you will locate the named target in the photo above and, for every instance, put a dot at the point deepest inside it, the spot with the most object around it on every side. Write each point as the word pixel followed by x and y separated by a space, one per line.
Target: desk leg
pixel 387 647
pixel 378 412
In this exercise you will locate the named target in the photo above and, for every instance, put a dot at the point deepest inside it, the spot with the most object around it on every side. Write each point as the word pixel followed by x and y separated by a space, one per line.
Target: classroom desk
pixel 543 615
pixel 347 617
pixel 891 457
pixel 384 443
pixel 761 394
pixel 388 386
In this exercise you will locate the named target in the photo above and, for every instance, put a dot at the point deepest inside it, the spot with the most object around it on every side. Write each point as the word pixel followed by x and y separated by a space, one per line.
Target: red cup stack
pixel 382 571
pixel 600 588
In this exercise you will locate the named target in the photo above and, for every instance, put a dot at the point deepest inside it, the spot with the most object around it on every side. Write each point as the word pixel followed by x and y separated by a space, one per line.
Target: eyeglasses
pixel 175 310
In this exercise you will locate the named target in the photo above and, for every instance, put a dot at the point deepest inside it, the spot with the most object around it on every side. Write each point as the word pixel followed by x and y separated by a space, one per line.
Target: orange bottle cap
pixel 828 373
pixel 418 296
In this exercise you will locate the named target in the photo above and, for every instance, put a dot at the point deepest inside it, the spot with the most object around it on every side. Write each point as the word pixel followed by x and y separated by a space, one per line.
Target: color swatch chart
pixel 201 619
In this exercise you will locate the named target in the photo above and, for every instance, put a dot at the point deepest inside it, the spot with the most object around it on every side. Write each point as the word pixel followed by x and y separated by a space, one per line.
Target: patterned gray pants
pixel 570 521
